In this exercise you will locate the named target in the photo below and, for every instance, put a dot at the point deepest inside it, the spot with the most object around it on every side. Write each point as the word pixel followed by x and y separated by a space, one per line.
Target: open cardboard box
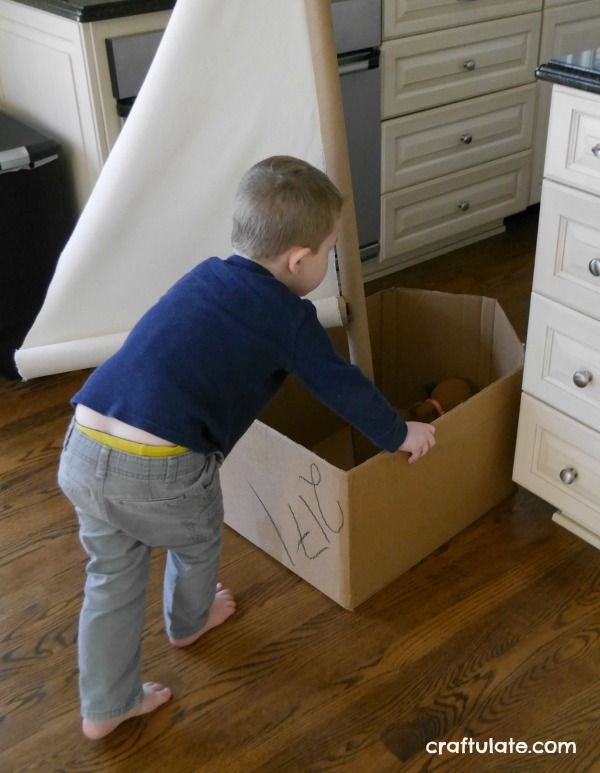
pixel 317 496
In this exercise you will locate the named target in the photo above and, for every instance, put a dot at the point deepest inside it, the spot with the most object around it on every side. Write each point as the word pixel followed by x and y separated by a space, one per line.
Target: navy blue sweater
pixel 201 364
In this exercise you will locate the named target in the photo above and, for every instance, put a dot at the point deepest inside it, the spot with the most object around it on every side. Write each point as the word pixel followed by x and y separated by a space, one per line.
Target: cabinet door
pixel 568 248
pixel 447 139
pixel 559 460
pixel 411 17
pixel 432 212
pixel 566 29
pixel 439 68
pixel 44 81
pixel 94 37
pixel 54 73
pixel 573 151
pixel 562 367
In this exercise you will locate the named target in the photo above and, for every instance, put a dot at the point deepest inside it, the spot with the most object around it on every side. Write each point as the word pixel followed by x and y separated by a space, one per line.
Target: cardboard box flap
pixel 508 350
pixel 423 337
pixel 485 354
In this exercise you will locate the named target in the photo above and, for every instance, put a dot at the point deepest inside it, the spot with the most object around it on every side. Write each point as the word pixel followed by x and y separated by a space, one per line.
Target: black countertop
pixel 96 10
pixel 579 71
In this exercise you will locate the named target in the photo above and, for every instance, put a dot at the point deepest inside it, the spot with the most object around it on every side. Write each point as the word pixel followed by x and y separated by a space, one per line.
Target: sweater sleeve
pixel 344 388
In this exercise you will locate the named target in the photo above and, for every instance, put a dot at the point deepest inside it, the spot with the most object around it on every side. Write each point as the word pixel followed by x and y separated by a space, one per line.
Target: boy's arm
pixel 345 389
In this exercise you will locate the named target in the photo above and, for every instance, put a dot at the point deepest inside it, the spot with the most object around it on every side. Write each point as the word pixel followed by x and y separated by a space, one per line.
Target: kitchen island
pixel 558 442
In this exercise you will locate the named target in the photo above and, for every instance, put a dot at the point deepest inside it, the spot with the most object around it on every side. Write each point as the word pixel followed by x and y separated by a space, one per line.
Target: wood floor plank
pixel 496 634
pixel 397 678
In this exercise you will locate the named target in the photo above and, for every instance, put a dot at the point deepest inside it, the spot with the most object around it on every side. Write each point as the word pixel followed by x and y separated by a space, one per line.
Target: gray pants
pixel 126 505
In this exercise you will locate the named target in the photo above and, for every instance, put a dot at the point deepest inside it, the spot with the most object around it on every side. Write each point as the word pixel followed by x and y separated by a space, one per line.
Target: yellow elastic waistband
pixel 130 446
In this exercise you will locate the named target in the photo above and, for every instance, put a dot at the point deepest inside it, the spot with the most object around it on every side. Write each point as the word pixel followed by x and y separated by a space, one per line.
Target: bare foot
pixel 154 696
pixel 222 607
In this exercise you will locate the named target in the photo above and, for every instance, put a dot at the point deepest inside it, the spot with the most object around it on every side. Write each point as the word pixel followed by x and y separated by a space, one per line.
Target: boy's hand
pixel 418 441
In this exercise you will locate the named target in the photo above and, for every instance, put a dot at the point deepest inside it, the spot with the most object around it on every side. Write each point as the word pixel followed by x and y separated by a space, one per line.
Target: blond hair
pixel 283 202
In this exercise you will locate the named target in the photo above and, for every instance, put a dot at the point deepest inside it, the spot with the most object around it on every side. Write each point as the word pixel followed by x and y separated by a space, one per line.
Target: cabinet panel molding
pixel 412 17
pixel 553 3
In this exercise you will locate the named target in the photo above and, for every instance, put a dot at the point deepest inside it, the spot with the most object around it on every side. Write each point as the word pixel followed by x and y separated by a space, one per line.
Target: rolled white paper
pixel 161 202
pixel 61 357
pixel 332 312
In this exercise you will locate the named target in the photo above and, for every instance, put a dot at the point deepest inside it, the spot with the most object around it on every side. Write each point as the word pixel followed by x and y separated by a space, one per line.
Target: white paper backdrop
pixel 231 83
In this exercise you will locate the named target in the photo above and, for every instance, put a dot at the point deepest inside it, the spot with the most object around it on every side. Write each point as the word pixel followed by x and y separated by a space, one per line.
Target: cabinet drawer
pixel 562 366
pixel 446 139
pixel 443 67
pixel 411 17
pixel 568 248
pixel 428 213
pixel 573 147
pixel 548 444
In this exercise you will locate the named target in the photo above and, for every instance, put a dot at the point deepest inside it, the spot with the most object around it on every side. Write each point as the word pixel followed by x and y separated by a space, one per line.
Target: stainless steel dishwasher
pixel 357 27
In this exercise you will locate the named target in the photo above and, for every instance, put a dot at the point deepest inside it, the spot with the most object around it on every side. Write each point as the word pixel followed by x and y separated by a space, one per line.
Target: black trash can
pixel 36 219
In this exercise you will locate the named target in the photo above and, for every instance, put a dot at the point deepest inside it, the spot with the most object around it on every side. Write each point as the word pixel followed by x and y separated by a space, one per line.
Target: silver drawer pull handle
pixel 470 65
pixel 582 378
pixel 568 475
pixel 466 139
pixel 463 206
pixel 594 267
pixel 596 150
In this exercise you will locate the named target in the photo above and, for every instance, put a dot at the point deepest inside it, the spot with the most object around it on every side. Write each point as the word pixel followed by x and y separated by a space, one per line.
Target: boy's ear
pixel 295 257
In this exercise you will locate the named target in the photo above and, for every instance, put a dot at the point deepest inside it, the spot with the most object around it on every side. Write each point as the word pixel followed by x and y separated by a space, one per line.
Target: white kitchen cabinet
pixel 558 440
pixel 567 27
pixel 458 113
pixel 54 75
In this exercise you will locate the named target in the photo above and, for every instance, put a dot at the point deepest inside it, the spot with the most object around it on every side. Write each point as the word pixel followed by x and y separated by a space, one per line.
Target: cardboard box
pixel 317 496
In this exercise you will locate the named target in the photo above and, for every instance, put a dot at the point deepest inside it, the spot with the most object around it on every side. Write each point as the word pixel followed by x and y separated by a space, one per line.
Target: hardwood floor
pixel 497 634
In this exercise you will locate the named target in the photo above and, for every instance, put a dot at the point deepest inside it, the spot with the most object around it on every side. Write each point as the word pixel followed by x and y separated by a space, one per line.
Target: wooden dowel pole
pixel 337 166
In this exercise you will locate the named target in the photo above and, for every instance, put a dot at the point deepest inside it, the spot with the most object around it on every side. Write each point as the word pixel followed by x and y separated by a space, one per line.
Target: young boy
pixel 153 423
